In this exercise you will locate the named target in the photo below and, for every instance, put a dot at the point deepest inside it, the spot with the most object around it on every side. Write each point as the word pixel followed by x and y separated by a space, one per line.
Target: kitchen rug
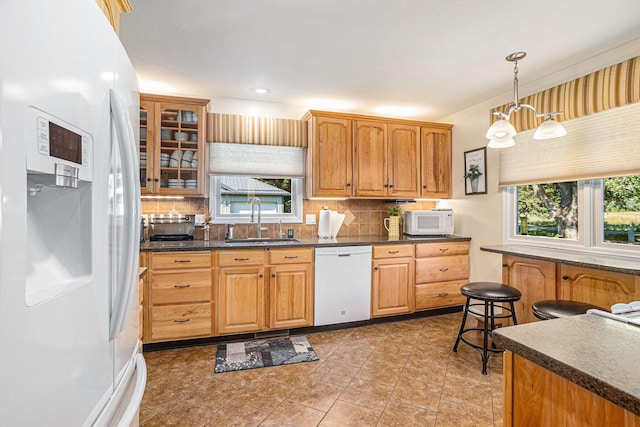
pixel 238 356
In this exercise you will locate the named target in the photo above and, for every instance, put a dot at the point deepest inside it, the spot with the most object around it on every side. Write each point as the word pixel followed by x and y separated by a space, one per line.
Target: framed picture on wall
pixel 475 171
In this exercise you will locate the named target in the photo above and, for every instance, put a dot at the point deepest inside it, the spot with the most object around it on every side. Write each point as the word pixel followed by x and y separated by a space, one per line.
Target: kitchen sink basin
pixel 261 242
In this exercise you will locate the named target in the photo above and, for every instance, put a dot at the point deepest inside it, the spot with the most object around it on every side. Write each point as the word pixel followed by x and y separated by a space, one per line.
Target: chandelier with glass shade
pixel 500 134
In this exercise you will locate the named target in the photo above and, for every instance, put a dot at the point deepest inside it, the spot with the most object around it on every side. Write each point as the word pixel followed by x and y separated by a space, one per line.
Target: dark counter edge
pixel 202 245
pixel 570 373
pixel 522 253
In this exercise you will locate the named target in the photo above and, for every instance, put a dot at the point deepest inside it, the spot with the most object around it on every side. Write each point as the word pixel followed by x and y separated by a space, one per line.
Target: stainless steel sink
pixel 261 242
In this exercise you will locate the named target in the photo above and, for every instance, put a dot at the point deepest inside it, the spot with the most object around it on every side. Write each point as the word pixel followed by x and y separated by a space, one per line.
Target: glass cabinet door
pixel 146 152
pixel 179 142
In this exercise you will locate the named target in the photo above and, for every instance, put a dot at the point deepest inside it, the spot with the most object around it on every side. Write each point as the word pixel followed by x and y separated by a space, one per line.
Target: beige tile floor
pixel 392 374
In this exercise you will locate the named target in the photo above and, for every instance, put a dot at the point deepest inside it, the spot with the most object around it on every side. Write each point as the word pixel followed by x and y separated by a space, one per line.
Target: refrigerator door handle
pixel 136 398
pixel 131 215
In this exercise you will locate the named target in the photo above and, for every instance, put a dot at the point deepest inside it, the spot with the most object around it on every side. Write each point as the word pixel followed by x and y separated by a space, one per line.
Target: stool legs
pixel 464 320
pixel 489 326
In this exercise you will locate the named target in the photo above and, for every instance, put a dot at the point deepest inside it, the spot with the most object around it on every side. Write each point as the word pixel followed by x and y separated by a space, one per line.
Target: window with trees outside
pixel 603 214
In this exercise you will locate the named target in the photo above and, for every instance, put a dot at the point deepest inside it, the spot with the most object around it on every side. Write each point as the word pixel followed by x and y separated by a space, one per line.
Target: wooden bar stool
pixel 489 293
pixel 555 308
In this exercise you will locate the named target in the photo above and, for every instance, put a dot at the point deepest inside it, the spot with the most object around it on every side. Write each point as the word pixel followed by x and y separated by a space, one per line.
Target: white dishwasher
pixel 342 284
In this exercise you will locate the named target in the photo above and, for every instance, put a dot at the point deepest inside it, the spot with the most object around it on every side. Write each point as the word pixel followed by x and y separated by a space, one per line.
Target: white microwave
pixel 428 223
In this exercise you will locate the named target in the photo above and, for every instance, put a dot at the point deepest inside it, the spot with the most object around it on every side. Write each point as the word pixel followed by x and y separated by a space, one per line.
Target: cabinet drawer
pixel 291 256
pixel 392 251
pixel 187 259
pixel 441 249
pixel 179 287
pixel 441 294
pixel 442 269
pixel 180 321
pixel 240 257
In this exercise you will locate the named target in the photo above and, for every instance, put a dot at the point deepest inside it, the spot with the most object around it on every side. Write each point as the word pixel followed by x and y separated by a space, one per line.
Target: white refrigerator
pixel 69 219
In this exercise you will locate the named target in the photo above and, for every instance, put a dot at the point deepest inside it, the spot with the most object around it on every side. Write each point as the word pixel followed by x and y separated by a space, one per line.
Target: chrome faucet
pixel 260 227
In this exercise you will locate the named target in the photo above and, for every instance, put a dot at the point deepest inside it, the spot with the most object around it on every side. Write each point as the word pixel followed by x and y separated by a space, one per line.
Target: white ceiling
pixel 435 57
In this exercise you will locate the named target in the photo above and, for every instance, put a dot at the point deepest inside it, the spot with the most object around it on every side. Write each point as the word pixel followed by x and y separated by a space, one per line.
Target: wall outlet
pixel 199 219
pixel 310 219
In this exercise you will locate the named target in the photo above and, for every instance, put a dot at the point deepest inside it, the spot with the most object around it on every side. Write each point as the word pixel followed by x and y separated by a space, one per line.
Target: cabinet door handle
pixel 291 257
pixel 273 275
pixel 444 249
pixel 444 294
pixel 444 269
pixel 241 259
pixel 181 320
pixel 181 260
pixel 393 252
pixel 181 286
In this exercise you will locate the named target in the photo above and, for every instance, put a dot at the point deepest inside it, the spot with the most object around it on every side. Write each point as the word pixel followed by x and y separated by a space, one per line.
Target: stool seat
pixel 553 309
pixel 490 291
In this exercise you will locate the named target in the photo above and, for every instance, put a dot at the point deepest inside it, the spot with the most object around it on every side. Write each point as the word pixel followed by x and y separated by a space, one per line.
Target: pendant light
pixel 500 134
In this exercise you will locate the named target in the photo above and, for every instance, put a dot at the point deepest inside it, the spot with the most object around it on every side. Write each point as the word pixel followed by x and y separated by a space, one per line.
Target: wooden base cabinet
pixel 264 289
pixel 535 279
pixel 392 280
pixel 180 298
pixel 535 396
pixel 598 287
pixel 441 269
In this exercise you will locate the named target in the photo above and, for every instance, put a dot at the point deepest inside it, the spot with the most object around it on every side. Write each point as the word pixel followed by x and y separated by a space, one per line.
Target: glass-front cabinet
pixel 172 145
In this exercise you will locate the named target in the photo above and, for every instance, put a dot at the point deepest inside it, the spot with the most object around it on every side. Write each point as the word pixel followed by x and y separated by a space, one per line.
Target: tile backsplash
pixel 369 215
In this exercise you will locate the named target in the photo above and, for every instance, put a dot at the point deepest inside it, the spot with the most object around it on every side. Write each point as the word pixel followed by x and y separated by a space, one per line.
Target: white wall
pixel 479 216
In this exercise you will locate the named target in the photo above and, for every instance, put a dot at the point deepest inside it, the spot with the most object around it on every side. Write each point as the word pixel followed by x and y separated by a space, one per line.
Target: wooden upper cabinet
pixel 436 162
pixel 404 161
pixel 329 168
pixel 351 155
pixel 173 146
pixel 370 159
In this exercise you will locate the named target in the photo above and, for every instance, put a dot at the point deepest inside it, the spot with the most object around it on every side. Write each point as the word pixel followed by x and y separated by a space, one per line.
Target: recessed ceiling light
pixel 261 90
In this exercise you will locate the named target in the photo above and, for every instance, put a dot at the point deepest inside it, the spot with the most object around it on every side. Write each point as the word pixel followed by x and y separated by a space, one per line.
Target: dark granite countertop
pixel 615 263
pixel 597 353
pixel 201 245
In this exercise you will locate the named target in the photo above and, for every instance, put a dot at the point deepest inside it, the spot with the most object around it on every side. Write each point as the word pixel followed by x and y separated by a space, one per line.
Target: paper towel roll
pixel 336 222
pixel 324 224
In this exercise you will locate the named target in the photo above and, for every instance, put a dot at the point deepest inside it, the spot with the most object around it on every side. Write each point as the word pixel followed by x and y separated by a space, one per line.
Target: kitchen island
pixel 577 371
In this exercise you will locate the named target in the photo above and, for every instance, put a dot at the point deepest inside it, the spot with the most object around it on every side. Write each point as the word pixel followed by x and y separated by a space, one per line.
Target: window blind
pixel 601 145
pixel 266 161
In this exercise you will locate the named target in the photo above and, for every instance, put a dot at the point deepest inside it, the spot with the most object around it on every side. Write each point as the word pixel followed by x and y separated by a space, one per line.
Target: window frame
pixel 295 217
pixel 590 223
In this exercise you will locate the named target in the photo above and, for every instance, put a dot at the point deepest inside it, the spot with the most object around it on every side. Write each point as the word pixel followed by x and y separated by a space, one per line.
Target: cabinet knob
pixel 390 185
pixel 505 265
pixel 376 268
pixel 424 187
pixel 156 179
pixel 348 184
pixel 148 179
pixel 261 276
pixel 444 294
pixel 565 277
pixel 273 275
